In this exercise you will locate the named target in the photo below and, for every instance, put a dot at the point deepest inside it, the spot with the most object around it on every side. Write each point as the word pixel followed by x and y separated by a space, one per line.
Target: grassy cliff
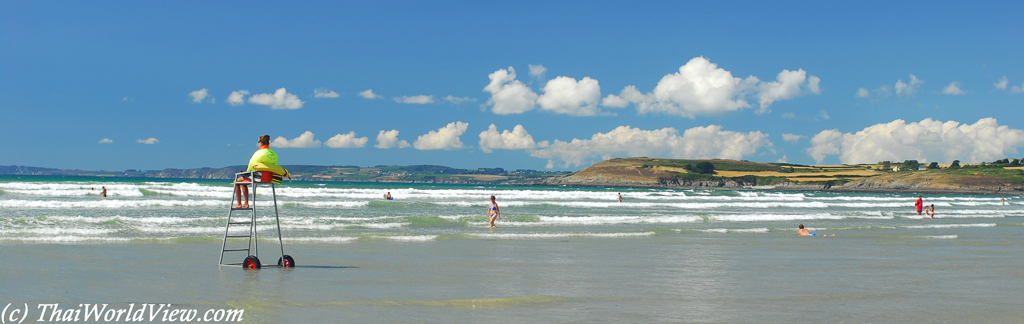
pixel 732 174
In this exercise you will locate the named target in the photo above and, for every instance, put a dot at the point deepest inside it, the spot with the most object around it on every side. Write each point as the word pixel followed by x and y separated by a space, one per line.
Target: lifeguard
pixel 263 160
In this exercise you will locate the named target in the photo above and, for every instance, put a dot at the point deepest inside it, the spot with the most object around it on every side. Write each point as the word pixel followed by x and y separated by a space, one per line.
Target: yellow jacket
pixel 266 160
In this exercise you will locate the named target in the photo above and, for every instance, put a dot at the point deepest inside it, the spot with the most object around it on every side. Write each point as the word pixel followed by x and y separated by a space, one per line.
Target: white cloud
pixel 149 141
pixel 786 86
pixel 458 100
pixel 281 99
pixel 791 137
pixel 324 93
pixel 927 140
pixel 863 93
pixel 517 139
pixel 237 97
pixel 508 95
pixel 346 141
pixel 953 89
pixel 420 99
pixel 782 159
pixel 904 89
pixel 389 139
pixel 303 141
pixel 445 138
pixel 814 84
pixel 1002 83
pixel 198 95
pixel 368 94
pixel 563 95
pixel 106 140
pixel 537 71
pixel 702 88
pixel 698 142
pixel 1017 88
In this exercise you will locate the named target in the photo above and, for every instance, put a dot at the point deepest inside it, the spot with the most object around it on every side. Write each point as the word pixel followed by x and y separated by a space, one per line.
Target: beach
pixel 559 254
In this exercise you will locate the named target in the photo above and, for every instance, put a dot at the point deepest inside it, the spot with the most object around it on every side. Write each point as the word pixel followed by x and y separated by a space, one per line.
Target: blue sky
pixel 142 85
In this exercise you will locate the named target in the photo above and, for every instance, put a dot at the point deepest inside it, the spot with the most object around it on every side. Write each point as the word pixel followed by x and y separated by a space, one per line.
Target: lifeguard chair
pixel 242 228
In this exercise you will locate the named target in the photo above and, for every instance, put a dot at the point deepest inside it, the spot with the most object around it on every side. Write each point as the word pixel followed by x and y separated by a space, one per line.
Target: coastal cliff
pixel 730 174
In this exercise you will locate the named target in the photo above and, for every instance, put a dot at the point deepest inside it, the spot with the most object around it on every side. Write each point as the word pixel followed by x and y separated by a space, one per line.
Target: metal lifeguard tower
pixel 242 228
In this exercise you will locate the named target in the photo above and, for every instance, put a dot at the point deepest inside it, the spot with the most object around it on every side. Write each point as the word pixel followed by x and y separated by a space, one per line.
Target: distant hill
pixel 380 173
pixel 732 174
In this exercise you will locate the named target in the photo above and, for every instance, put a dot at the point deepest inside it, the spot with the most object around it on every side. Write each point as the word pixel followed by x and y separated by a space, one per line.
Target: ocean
pixel 559 254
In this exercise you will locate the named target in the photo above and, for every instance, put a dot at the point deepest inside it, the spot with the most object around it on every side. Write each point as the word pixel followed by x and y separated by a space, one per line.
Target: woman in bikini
pixel 492 211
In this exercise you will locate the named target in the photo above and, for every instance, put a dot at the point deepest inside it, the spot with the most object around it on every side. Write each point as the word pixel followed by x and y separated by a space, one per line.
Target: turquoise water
pixel 557 255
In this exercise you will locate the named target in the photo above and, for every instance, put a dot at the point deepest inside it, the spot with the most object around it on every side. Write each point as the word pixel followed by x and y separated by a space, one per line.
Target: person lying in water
pixel 804 232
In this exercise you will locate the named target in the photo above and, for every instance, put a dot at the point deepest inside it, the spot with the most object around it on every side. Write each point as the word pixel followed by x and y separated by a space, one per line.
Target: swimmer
pixel 493 211
pixel 388 196
pixel 804 232
pixel 931 211
pixel 620 197
pixel 104 193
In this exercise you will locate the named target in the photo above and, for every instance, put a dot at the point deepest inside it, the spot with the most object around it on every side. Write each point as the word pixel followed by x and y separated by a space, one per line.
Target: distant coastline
pixel 983 179
pixel 641 172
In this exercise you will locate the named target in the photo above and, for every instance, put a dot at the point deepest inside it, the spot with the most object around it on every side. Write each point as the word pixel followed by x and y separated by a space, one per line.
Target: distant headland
pixel 1001 177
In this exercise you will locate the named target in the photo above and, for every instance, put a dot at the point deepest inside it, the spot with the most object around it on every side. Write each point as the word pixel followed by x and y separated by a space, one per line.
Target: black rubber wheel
pixel 286 261
pixel 251 263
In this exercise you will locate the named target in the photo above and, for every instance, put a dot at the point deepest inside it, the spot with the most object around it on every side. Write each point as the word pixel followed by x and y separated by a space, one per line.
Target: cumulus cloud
pixel 1002 83
pixel 927 140
pixel 863 93
pixel 280 99
pixel 237 97
pixel 908 89
pixel 882 91
pixel 537 71
pixel 389 139
pixel 953 89
pixel 695 143
pixel 791 137
pixel 346 141
pixel 508 95
pixel 199 95
pixel 786 86
pixel 106 140
pixel 324 93
pixel 564 95
pixel 303 141
pixel 702 88
pixel 458 100
pixel 1017 88
pixel 517 139
pixel 445 138
pixel 368 94
pixel 420 99
pixel 149 141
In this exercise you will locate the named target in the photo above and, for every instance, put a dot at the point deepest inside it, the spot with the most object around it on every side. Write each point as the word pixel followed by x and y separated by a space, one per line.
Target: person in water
pixel 388 196
pixel 804 232
pixel 931 211
pixel 104 193
pixel 266 159
pixel 492 211
pixel 919 204
pixel 620 197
